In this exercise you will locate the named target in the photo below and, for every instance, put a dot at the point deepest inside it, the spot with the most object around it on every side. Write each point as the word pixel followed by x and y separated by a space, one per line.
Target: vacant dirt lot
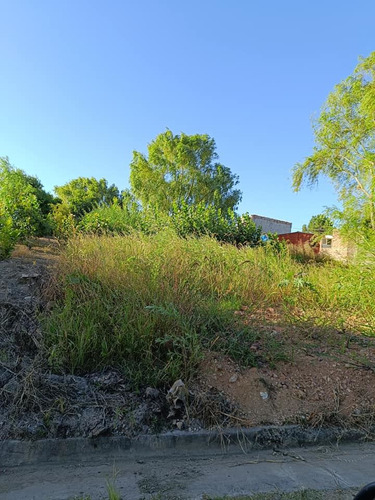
pixel 327 382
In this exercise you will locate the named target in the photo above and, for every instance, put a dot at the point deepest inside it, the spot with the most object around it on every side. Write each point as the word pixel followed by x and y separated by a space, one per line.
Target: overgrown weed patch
pixel 152 305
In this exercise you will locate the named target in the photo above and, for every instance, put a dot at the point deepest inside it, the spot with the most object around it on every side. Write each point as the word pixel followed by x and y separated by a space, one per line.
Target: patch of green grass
pixel 152 305
pixel 112 492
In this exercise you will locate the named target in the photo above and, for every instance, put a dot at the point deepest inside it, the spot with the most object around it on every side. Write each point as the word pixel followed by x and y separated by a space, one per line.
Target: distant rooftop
pixel 270 219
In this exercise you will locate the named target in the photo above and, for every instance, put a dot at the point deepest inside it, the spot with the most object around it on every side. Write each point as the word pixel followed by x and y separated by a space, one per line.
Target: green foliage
pixel 345 145
pixel 84 194
pixel 8 235
pixel 274 245
pixel 23 199
pixel 362 242
pixel 46 201
pixel 197 220
pixel 112 492
pixel 319 224
pixel 127 323
pixel 298 282
pixel 114 220
pixel 152 304
pixel 237 343
pixel 62 222
pixel 227 227
pixel 104 220
pixel 182 169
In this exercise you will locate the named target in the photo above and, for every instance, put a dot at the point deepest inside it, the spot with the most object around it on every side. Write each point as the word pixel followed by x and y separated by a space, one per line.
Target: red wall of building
pixel 298 238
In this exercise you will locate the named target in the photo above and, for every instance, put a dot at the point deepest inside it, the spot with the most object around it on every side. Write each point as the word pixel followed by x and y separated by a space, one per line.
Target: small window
pixel 327 242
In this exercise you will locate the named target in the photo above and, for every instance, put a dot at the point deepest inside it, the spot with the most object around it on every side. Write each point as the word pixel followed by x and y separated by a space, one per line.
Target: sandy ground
pixel 312 390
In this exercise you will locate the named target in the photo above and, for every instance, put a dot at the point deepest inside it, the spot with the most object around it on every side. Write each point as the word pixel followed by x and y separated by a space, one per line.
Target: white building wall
pixel 337 248
pixel 269 225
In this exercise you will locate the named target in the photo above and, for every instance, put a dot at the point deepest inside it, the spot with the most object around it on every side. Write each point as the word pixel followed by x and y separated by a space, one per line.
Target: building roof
pixel 270 219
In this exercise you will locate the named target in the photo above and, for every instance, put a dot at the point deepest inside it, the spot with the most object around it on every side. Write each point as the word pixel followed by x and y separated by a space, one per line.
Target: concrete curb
pixel 82 450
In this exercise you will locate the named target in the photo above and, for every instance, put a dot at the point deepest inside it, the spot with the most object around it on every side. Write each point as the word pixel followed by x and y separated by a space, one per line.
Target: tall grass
pixel 151 305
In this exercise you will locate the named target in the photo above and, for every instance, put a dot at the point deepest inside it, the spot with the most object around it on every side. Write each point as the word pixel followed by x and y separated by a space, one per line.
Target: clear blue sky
pixel 83 83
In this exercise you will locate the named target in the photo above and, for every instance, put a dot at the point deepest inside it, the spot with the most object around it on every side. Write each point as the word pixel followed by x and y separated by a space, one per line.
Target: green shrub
pixel 186 220
pixel 227 227
pixel 23 198
pixel 112 220
pixel 62 222
pixel 8 236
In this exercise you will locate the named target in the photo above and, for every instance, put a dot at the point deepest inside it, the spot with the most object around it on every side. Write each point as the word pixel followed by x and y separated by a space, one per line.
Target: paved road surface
pixel 172 474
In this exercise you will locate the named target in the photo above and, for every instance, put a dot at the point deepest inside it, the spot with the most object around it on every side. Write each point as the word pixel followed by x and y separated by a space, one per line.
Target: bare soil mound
pixel 328 380
pixel 311 390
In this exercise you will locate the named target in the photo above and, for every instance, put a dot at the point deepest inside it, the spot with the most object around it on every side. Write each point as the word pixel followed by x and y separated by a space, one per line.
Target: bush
pixel 227 227
pixel 24 200
pixel 110 220
pixel 8 236
pixel 62 222
pixel 186 220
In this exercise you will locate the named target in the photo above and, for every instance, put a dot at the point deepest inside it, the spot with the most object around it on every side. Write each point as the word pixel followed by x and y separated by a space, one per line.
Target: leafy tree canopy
pixel 84 194
pixel 46 200
pixel 182 169
pixel 345 144
pixel 23 198
pixel 129 202
pixel 319 224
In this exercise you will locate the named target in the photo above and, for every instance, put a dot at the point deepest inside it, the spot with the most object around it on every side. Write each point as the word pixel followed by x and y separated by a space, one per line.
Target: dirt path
pixel 167 476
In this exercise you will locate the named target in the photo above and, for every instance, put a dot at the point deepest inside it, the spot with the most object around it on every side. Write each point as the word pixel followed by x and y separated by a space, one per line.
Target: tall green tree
pixel 83 194
pixel 182 169
pixel 345 145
